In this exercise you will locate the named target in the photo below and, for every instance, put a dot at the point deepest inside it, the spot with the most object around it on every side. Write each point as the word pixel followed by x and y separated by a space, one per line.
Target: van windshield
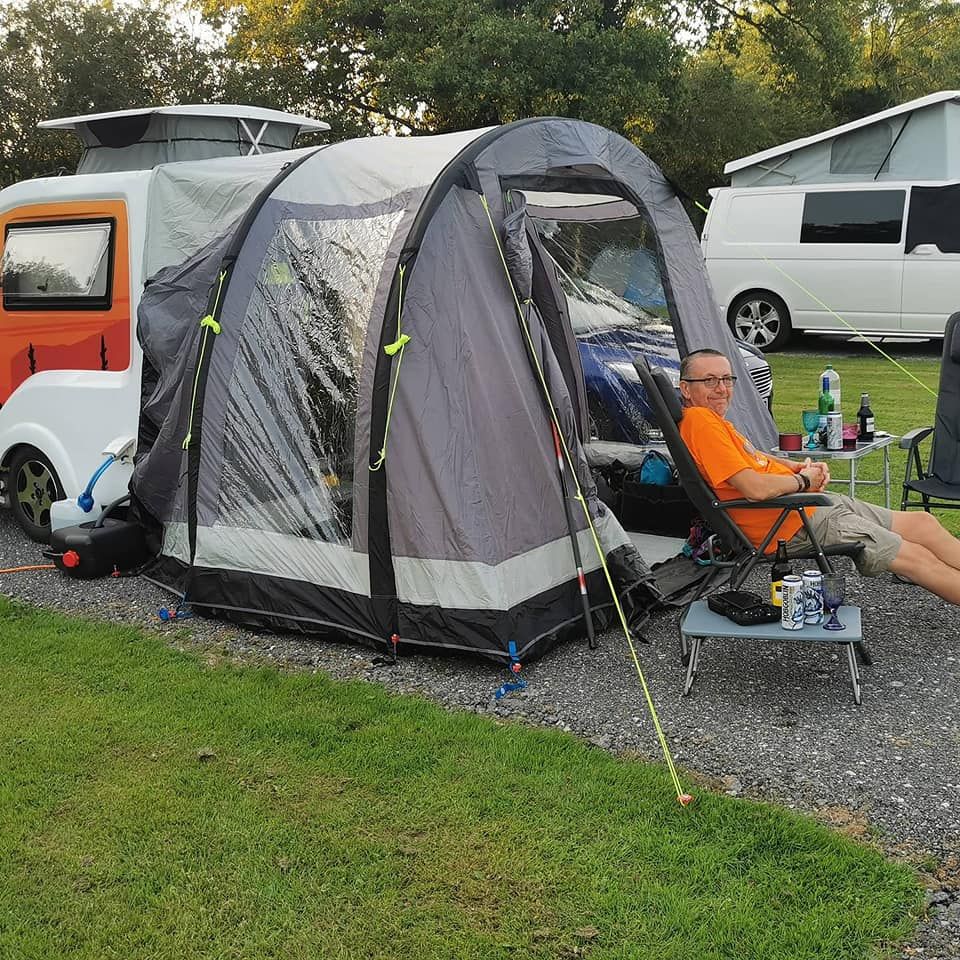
pixel 610 273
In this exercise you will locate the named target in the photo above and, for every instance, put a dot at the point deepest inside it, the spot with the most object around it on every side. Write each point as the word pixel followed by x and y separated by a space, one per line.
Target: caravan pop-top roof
pixel 919 139
pixel 142 138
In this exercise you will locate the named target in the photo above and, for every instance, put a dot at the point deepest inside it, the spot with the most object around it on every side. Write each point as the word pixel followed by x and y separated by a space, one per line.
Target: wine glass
pixel 833 585
pixel 811 420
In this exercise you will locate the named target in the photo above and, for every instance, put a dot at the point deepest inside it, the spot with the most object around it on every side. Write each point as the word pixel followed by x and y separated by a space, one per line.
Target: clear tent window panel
pixel 289 428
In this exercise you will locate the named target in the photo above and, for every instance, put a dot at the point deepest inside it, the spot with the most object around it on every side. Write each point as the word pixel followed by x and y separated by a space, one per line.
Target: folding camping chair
pixel 734 549
pixel 941 479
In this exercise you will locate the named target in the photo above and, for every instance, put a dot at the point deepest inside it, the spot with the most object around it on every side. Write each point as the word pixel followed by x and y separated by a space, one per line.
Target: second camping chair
pixel 941 479
pixel 740 553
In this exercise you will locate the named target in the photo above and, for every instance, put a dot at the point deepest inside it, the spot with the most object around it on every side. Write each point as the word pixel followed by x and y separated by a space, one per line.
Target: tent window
pixel 289 428
pixel 610 273
pixel 864 151
pixel 49 266
pixel 934 218
pixel 853 216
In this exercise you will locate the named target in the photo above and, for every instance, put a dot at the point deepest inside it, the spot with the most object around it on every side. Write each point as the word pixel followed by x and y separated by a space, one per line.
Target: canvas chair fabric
pixel 938 486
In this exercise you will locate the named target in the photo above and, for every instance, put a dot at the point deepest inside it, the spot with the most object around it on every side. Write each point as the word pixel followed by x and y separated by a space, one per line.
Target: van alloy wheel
pixel 761 320
pixel 33 488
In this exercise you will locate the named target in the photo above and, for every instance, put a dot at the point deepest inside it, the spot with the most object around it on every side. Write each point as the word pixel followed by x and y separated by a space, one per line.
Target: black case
pixel 115 545
pixel 654 508
pixel 743 608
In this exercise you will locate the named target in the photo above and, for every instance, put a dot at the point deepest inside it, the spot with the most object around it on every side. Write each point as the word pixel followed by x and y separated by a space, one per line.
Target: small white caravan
pixel 153 186
pixel 860 221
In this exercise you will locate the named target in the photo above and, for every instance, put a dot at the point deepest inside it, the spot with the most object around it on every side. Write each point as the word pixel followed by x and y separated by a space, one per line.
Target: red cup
pixel 850 432
pixel 790 441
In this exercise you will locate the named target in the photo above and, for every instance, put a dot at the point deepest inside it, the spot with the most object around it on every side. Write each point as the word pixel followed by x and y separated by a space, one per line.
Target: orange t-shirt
pixel 719 452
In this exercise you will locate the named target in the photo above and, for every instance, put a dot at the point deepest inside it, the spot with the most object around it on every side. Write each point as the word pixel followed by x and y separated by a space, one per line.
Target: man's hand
pixel 818 473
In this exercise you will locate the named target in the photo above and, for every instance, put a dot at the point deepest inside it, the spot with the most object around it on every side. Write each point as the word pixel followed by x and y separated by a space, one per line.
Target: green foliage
pixel 66 57
pixel 439 65
pixel 154 806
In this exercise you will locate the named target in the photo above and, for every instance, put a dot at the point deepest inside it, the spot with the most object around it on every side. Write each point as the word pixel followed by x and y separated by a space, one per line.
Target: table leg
pixel 854 673
pixel 853 479
pixel 886 475
pixel 693 657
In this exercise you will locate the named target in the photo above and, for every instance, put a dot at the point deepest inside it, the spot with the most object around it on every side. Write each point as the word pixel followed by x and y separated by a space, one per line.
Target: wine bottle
pixel 866 420
pixel 780 569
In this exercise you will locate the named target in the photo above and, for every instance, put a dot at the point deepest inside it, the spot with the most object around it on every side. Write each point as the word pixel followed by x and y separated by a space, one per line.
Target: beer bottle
pixel 865 418
pixel 780 569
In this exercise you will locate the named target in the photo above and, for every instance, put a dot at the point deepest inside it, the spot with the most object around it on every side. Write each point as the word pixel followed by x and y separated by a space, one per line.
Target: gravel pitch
pixel 765 721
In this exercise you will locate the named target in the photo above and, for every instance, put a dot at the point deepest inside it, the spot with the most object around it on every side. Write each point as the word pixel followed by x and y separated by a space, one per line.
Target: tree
pixel 438 65
pixel 67 57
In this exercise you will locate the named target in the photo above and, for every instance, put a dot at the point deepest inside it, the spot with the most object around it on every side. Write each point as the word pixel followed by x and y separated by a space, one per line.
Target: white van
pixel 76 253
pixel 884 256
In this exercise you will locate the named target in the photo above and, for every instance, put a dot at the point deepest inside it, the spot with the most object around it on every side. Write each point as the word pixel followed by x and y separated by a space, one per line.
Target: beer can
pixel 834 431
pixel 793 610
pixel 812 596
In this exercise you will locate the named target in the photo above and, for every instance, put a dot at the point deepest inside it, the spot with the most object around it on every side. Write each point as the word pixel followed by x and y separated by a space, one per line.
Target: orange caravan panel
pixel 65 301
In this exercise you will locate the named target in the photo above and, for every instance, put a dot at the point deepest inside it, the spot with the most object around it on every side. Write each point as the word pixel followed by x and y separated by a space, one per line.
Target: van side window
pixel 58 266
pixel 853 216
pixel 934 218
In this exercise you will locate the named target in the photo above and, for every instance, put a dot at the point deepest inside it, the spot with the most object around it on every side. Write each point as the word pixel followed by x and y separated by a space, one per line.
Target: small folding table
pixel 700 622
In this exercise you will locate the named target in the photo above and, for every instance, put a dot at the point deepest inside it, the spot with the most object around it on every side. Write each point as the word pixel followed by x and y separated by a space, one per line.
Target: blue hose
pixel 85 500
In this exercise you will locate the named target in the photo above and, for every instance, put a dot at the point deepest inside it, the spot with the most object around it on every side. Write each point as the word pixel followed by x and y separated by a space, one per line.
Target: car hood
pixel 620 344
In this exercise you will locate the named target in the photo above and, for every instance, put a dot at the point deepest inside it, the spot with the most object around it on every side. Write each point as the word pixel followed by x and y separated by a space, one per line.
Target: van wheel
pixel 761 319
pixel 33 486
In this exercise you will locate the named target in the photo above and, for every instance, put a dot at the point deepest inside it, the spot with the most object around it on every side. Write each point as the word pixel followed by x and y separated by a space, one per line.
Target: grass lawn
pixel 159 804
pixel 899 403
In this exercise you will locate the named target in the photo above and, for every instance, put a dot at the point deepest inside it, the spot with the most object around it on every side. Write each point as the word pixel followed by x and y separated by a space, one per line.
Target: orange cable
pixel 35 566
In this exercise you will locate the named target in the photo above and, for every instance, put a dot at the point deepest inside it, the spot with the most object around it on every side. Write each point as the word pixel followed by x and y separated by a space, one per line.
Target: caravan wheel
pixel 33 486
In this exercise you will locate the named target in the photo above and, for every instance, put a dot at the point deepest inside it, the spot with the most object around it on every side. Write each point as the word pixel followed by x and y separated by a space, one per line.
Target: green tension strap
pixel 394 349
pixel 207 324
pixel 682 797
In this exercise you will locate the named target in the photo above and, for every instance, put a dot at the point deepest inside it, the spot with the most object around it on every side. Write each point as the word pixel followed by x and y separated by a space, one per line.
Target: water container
pixel 834 379
pixel 67 513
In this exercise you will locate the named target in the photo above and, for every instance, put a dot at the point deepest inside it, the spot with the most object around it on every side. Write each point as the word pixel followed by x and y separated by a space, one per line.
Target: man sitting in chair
pixel 913 545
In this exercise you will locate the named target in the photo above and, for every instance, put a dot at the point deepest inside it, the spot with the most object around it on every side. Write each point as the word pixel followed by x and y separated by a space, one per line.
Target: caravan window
pixel 853 216
pixel 58 265
pixel 610 272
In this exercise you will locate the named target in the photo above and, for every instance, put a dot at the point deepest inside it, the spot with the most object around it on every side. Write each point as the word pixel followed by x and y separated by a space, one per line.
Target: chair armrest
pixel 793 501
pixel 912 439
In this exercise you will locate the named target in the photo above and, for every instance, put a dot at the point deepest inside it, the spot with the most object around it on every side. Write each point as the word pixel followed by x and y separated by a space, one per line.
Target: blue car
pixel 618 310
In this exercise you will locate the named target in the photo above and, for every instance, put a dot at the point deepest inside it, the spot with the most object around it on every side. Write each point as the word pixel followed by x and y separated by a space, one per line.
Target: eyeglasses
pixel 714 382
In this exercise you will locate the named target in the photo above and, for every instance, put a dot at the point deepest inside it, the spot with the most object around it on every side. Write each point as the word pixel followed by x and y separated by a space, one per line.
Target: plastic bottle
pixel 834 379
pixel 824 406
pixel 780 569
pixel 865 419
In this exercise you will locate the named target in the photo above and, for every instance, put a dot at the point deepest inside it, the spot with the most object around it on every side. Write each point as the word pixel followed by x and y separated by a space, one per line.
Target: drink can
pixel 812 596
pixel 834 431
pixel 793 611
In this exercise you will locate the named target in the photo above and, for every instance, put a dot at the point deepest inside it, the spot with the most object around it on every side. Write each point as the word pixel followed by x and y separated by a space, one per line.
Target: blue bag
pixel 656 469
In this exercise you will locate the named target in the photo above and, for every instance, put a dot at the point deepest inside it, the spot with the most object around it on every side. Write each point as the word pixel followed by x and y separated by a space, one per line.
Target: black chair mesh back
pixel 665 404
pixel 945 451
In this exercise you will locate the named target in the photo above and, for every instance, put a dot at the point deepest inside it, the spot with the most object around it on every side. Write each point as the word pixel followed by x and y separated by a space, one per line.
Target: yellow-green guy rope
pixel 834 313
pixel 391 349
pixel 586 511
pixel 208 324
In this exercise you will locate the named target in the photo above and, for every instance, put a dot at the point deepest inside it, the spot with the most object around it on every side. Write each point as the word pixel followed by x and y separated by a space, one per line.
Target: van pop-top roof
pixel 917 140
pixel 140 139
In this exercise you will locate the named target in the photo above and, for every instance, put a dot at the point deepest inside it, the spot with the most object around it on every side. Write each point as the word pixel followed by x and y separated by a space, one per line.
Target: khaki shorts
pixel 853 521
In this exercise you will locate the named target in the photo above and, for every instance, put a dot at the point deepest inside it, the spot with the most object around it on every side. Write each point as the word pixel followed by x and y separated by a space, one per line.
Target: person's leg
pixel 925 529
pixel 920 565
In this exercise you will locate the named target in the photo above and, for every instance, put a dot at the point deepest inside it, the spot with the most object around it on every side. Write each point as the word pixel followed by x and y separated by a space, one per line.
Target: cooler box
pixel 662 509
